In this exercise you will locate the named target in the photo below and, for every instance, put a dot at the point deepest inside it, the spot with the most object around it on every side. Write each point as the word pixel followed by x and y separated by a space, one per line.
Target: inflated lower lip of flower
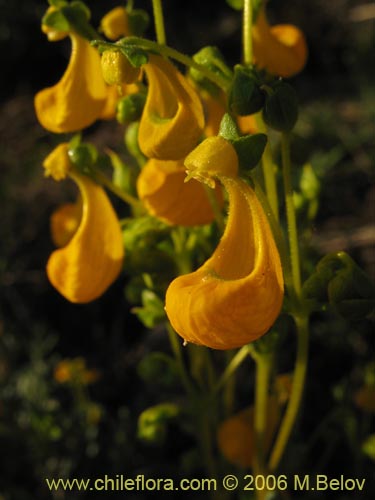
pixel 236 295
pixel 165 195
pixel 281 49
pixel 92 253
pixel 172 120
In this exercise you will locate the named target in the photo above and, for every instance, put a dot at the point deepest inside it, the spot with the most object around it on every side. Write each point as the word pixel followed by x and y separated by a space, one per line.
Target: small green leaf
pixel 138 21
pixel 250 149
pixel 228 128
pixel 245 96
pixel 280 110
pixel 137 57
pixel 56 20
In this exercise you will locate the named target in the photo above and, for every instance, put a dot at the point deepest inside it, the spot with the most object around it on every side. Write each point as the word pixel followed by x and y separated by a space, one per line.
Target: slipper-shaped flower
pixel 92 258
pixel 115 24
pixel 280 49
pixel 172 120
pixel 81 96
pixel 165 195
pixel 236 295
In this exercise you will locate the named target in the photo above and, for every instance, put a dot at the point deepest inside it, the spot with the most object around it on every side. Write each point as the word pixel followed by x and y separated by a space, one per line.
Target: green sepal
pixel 136 56
pixel 228 128
pixel 211 58
pixel 280 110
pixel 249 149
pixel 341 283
pixel 245 96
pixel 138 21
pixel 130 108
pixel 56 20
pixel 153 422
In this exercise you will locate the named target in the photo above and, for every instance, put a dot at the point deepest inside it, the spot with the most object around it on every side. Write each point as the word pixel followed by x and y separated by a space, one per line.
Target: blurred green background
pixel 80 429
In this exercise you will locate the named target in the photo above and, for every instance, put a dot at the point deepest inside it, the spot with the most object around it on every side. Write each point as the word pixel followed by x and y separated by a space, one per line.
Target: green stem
pixel 291 214
pixel 235 362
pixel 104 181
pixel 269 170
pixel 166 51
pixel 176 348
pixel 299 377
pixel 262 379
pixel 247 40
pixel 159 21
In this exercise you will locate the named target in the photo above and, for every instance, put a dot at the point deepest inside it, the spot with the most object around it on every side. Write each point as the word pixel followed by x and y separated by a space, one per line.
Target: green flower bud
pixel 245 96
pixel 130 107
pixel 158 369
pixel 131 142
pixel 83 156
pixel 280 110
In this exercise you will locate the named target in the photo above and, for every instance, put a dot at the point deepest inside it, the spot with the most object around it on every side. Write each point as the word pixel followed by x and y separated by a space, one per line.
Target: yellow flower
pixel 165 195
pixel 74 370
pixel 81 96
pixel 172 120
pixel 115 24
pixel 92 255
pixel 235 437
pixel 236 295
pixel 214 110
pixel 280 49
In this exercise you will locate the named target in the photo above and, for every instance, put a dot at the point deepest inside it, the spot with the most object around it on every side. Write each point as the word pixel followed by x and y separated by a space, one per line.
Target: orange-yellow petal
pixel 280 49
pixel 86 266
pixel 165 195
pixel 235 437
pixel 172 120
pixel 78 99
pixel 247 124
pixel 115 24
pixel 236 295
pixel 214 110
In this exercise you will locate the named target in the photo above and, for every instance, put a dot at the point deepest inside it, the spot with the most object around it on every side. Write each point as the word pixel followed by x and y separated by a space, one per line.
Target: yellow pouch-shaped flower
pixel 165 195
pixel 80 97
pixel 92 255
pixel 236 295
pixel 172 120
pixel 236 439
pixel 115 24
pixel 281 49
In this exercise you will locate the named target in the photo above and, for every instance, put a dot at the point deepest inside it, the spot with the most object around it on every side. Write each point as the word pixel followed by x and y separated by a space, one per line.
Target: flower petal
pixel 165 195
pixel 78 99
pixel 280 49
pixel 172 119
pixel 83 269
pixel 236 295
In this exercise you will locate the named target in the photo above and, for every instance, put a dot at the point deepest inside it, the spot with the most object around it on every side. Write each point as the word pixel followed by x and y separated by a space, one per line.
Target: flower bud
pixel 117 69
pixel 130 107
pixel 214 157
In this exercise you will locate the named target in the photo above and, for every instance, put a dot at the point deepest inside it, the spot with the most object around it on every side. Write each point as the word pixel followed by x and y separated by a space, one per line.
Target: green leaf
pixel 245 96
pixel 211 58
pixel 280 110
pixel 138 21
pixel 136 56
pixel 152 311
pixel 56 20
pixel 250 149
pixel 153 422
pixel 228 128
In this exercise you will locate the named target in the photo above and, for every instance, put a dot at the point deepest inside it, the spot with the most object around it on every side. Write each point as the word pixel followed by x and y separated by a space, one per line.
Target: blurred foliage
pixel 51 429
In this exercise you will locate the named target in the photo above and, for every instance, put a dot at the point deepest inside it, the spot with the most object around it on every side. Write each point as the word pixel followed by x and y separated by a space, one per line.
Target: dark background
pixel 38 327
